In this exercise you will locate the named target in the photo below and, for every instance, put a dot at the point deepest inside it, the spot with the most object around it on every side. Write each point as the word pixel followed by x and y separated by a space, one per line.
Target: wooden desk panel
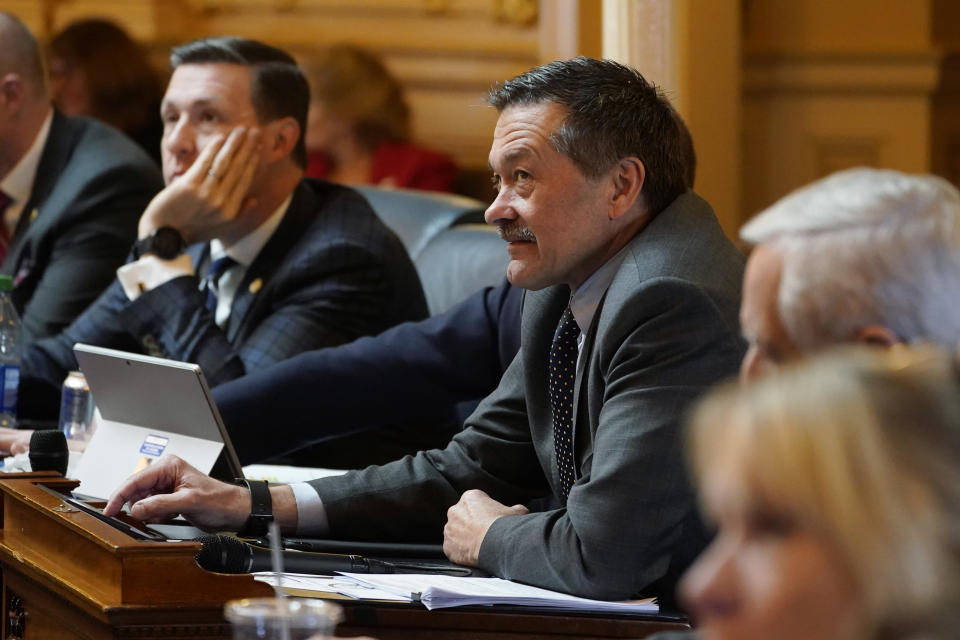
pixel 42 613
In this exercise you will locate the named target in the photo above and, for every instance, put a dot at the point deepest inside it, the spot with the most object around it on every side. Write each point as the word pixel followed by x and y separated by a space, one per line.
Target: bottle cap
pixel 6 283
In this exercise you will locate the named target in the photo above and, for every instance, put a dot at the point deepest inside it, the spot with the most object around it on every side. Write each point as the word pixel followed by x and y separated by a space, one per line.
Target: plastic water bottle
pixel 9 354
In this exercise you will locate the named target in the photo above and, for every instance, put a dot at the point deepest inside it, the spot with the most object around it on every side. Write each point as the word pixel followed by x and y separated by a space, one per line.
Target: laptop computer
pixel 146 407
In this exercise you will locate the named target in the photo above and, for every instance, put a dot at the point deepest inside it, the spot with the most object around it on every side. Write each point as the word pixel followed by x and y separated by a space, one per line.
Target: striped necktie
pixel 563 370
pixel 212 279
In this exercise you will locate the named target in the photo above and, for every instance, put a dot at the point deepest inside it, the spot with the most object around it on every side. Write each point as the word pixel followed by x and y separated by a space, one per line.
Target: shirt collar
pixel 245 250
pixel 18 183
pixel 586 299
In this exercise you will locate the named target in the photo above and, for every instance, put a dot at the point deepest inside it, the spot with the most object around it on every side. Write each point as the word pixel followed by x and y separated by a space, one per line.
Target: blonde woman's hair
pixel 354 83
pixel 863 447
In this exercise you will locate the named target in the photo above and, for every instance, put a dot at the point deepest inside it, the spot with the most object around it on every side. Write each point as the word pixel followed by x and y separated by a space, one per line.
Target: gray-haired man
pixel 863 255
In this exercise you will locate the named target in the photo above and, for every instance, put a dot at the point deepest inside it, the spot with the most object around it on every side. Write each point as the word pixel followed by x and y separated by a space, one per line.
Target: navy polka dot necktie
pixel 211 280
pixel 563 370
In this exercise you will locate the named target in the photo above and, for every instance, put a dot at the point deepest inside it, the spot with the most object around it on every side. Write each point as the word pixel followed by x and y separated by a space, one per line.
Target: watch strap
pixel 261 509
pixel 141 247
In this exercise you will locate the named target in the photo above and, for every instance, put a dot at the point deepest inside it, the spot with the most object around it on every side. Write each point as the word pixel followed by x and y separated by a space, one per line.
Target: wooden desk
pixel 68 576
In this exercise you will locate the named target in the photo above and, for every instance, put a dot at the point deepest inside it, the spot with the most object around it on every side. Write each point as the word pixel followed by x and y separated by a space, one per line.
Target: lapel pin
pixel 34 214
pixel 255 285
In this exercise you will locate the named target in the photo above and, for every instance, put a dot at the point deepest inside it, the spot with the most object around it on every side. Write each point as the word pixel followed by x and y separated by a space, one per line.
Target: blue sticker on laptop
pixel 154 445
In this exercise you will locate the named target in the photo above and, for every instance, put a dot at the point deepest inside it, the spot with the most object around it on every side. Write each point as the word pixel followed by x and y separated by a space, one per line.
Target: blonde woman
pixel 358 130
pixel 836 489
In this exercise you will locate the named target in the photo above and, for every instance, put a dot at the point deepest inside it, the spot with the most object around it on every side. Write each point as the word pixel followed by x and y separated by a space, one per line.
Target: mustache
pixel 515 231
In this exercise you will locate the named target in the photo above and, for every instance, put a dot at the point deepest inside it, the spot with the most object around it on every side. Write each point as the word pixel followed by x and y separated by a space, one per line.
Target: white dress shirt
pixel 18 183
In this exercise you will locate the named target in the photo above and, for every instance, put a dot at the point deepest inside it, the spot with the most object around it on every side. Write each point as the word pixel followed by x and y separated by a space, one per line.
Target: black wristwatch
pixel 165 242
pixel 261 509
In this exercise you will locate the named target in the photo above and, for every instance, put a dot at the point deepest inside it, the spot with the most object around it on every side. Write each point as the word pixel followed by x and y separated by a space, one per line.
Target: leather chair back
pixel 458 262
pixel 417 216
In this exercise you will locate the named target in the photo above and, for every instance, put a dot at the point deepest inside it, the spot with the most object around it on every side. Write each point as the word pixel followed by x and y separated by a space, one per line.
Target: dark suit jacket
pixel 666 330
pixel 331 272
pixel 407 379
pixel 92 184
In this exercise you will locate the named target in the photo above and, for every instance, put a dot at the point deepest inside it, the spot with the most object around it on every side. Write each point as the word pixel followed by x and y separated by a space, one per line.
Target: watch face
pixel 165 243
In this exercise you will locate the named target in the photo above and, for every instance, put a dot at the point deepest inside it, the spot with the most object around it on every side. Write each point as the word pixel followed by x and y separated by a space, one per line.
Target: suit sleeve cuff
pixel 492 551
pixel 311 516
pixel 149 272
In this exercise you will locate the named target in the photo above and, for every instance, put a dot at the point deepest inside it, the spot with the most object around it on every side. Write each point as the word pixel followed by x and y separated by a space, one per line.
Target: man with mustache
pixel 423 374
pixel 630 314
pixel 241 262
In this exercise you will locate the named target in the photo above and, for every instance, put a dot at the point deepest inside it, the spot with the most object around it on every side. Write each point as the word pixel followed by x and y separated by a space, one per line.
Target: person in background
pixel 97 70
pixel 71 192
pixel 835 484
pixel 863 255
pixel 358 131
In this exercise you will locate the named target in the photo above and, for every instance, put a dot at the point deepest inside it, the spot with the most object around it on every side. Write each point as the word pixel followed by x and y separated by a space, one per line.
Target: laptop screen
pixel 152 405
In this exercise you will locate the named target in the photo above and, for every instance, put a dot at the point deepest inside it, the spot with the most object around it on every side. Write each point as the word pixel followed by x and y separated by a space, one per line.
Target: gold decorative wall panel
pixel 831 85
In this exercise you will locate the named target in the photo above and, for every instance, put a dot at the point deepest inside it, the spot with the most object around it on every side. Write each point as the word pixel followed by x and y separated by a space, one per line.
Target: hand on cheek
pixel 210 197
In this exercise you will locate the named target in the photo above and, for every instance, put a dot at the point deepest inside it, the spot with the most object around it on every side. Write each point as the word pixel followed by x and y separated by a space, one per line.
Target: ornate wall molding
pixel 880 73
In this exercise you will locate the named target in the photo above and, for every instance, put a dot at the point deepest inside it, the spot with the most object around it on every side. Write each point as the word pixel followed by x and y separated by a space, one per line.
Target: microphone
pixel 225 554
pixel 48 451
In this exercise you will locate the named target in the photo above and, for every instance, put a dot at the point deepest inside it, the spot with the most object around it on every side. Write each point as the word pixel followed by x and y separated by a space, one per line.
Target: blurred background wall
pixel 776 92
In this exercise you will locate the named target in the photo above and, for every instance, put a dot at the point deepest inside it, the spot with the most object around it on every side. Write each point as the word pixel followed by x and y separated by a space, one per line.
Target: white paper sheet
pixel 329 584
pixel 436 592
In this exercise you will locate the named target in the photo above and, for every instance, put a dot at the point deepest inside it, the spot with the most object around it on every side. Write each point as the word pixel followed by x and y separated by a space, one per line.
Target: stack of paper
pixel 313 586
pixel 437 592
pixel 281 473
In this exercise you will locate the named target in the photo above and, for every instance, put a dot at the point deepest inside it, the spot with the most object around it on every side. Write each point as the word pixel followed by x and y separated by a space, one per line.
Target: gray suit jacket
pixel 92 185
pixel 666 331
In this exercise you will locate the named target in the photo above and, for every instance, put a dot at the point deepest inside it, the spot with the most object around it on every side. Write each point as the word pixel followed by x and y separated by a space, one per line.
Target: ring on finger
pixel 214 174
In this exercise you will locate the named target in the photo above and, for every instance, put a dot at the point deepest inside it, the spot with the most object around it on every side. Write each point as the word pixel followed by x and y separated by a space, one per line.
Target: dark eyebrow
pixel 205 103
pixel 199 104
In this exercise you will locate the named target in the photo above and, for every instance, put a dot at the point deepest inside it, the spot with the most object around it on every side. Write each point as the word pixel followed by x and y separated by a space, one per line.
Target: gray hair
pixel 867 246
